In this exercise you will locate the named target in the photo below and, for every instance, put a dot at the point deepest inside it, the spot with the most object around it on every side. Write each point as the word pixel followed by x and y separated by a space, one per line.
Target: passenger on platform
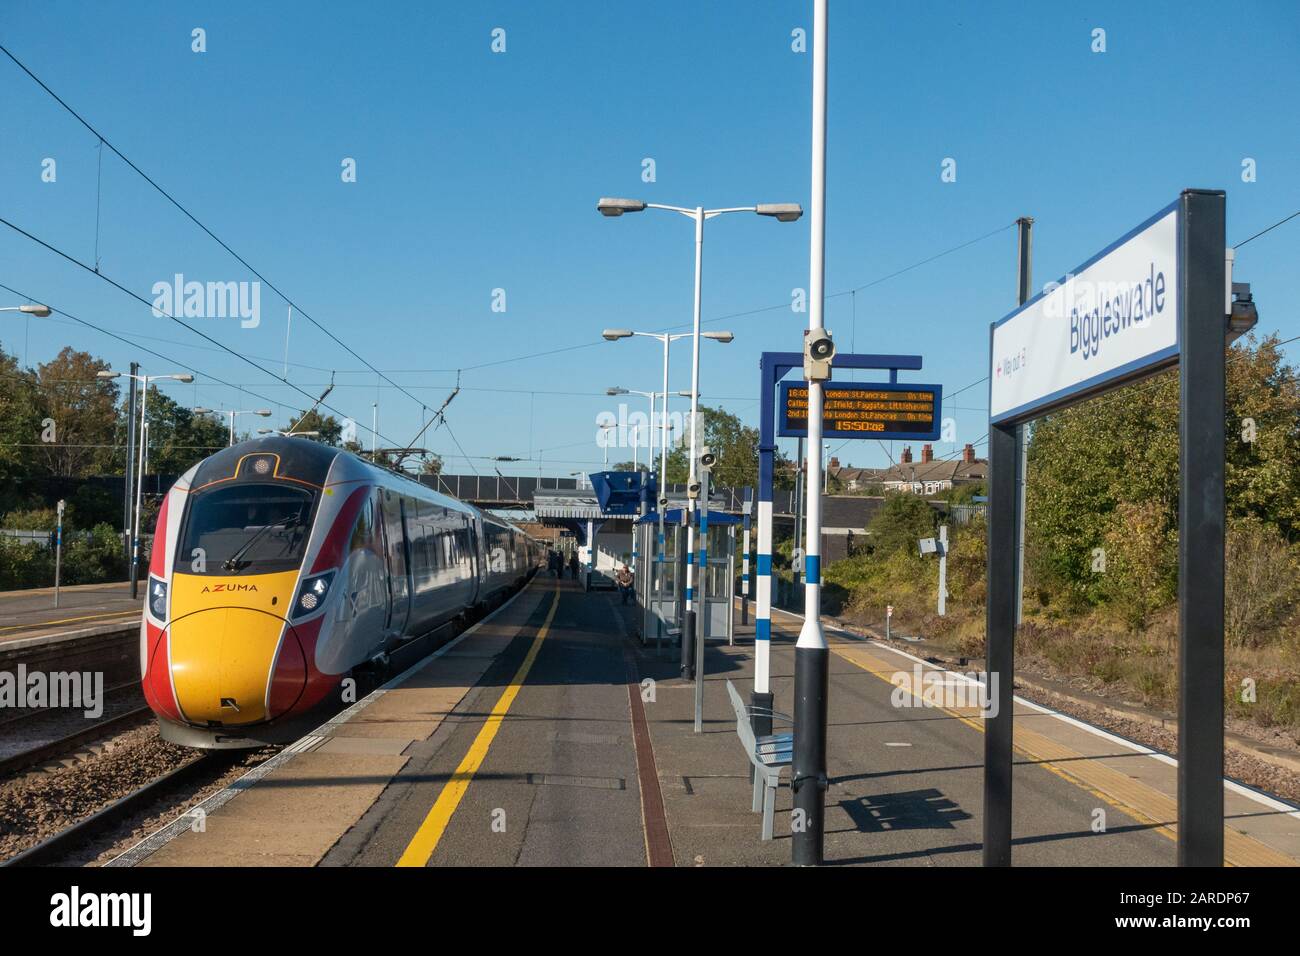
pixel 623 578
pixel 553 562
pixel 573 564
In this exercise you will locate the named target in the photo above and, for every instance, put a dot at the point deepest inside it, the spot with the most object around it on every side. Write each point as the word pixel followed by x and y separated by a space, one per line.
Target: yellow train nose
pixel 221 662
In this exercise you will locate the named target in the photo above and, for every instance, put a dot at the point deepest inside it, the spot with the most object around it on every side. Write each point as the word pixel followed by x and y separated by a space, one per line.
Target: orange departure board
pixel 864 410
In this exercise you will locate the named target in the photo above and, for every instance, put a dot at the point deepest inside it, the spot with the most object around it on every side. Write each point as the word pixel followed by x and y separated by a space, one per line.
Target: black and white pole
pixel 811 665
pixel 702 591
pixel 744 564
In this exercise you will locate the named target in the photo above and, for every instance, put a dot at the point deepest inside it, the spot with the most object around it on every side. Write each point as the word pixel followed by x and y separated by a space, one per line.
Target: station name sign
pixel 864 410
pixel 1115 318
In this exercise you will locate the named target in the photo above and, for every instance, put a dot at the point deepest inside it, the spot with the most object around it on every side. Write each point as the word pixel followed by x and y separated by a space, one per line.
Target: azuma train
pixel 281 566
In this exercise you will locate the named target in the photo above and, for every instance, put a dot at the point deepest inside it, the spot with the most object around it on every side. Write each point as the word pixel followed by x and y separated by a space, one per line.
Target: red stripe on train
pixel 331 552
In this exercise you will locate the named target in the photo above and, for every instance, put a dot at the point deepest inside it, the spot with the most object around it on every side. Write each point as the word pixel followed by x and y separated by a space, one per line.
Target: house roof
pixel 953 470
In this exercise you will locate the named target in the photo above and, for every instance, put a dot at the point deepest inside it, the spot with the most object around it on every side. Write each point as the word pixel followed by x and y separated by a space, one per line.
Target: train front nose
pixel 232 662
pixel 234 666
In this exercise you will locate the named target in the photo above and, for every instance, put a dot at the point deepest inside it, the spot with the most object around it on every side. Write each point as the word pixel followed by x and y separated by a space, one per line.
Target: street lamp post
pixel 653 396
pixel 263 412
pixel 144 381
pixel 613 335
pixel 782 212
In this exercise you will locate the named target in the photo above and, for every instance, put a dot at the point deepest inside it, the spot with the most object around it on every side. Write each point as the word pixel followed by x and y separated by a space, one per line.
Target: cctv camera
pixel 663 502
pixel 707 458
pixel 693 490
pixel 1244 315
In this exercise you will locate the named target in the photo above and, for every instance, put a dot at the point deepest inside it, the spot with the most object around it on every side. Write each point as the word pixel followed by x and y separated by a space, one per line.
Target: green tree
pixel 179 438
pixel 735 445
pixel 331 430
pixel 1099 466
pixel 21 413
pixel 902 521
pixel 82 413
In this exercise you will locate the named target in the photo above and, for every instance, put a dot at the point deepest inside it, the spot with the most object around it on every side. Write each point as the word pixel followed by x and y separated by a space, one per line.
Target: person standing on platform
pixel 573 564
pixel 623 578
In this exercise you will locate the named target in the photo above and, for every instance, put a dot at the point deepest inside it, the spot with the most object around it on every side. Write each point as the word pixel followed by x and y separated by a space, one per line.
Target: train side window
pixel 363 531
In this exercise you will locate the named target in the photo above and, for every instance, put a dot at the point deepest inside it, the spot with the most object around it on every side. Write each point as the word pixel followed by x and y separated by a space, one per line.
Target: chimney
pixel 968 453
pixel 906 457
pixel 835 464
pixel 927 453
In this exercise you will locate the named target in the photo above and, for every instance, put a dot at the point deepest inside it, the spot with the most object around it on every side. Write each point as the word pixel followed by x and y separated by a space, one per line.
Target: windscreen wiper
pixel 232 563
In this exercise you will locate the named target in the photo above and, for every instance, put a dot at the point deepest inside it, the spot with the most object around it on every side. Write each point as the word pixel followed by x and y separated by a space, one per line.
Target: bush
pixel 95 557
pixel 32 519
pixel 1140 562
pixel 1260 587
pixel 903 520
pixel 25 564
pixel 968 563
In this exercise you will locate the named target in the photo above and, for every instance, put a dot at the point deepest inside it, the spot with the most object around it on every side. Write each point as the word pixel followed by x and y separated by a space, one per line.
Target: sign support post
pixel 1024 290
pixel 1201 329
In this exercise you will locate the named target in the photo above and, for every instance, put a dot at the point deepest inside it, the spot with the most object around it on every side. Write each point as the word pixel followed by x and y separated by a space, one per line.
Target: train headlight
pixel 312 593
pixel 158 598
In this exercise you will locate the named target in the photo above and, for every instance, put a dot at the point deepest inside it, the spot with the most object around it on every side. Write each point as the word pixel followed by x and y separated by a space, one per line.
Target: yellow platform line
pixel 420 849
pixel 36 625
pixel 1146 804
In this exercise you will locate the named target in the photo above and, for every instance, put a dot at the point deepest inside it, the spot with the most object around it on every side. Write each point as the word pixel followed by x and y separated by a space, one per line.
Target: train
pixel 282 567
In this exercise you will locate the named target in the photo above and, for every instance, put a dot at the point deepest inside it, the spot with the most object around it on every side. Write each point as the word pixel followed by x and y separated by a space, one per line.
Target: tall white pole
pixel 808 770
pixel 139 483
pixel 663 431
pixel 689 634
pixel 660 567
pixel 232 429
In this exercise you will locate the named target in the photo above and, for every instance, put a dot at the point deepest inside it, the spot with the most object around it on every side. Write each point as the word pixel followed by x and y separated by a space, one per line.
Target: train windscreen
pixel 248 528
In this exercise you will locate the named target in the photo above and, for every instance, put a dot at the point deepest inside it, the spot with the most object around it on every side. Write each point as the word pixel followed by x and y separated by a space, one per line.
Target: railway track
pixel 54 748
pixel 75 837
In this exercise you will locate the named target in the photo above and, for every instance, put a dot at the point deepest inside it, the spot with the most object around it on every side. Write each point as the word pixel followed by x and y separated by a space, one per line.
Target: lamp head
pixel 780 211
pixel 612 207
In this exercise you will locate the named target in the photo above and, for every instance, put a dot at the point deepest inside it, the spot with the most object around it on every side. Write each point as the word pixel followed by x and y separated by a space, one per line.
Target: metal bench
pixel 767 755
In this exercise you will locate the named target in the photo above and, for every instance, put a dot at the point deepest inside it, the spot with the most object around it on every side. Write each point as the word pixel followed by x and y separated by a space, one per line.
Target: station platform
pixel 546 735
pixel 84 610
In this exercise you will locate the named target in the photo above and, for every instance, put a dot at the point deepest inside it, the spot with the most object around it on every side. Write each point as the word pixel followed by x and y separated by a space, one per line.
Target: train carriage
pixel 280 565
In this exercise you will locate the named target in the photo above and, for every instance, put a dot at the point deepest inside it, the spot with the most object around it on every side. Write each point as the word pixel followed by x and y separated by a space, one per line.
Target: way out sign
pixel 1112 319
pixel 1156 297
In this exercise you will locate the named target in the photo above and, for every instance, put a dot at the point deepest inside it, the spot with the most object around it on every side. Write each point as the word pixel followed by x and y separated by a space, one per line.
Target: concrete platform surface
pixel 548 736
pixel 83 610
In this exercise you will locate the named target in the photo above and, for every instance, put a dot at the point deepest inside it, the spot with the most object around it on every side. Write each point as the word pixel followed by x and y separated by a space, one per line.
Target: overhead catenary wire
pixel 146 302
pixel 194 219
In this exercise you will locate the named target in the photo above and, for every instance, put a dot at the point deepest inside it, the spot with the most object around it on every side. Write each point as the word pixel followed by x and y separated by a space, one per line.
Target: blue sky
pixel 478 171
